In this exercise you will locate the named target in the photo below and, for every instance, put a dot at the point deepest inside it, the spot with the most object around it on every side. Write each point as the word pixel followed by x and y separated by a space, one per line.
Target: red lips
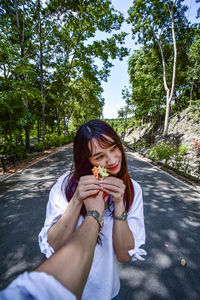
pixel 114 167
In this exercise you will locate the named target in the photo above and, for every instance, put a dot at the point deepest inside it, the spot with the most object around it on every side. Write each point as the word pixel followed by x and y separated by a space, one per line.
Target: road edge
pixel 23 166
pixel 165 170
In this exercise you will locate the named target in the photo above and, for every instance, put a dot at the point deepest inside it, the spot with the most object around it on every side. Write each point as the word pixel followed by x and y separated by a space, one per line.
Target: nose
pixel 110 160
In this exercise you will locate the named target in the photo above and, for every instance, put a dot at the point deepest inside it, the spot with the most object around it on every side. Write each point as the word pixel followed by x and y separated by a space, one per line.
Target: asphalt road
pixel 172 218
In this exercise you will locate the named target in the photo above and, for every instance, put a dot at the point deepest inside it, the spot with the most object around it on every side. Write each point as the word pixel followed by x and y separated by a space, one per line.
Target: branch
pixel 175 53
pixel 164 67
pixel 17 18
pixel 22 40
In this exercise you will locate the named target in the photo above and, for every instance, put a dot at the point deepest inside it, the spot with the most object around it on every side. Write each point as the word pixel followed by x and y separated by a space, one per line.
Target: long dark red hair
pixel 96 129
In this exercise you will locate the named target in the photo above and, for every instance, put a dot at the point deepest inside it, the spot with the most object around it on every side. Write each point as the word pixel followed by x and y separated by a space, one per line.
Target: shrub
pixel 163 151
pixel 53 140
pixel 140 144
pixel 11 148
pixel 182 150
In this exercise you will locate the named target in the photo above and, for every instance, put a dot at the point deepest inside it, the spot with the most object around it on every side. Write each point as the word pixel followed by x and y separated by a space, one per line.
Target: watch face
pixel 99 218
pixel 124 215
pixel 101 222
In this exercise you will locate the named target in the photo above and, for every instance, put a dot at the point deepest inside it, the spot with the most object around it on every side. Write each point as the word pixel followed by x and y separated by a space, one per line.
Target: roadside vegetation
pixel 52 65
pixel 178 151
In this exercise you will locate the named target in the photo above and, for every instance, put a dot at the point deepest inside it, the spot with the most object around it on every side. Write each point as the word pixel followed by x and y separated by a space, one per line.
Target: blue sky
pixel 119 76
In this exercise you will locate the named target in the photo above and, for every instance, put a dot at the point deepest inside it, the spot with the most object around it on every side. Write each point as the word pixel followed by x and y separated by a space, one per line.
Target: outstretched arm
pixel 71 264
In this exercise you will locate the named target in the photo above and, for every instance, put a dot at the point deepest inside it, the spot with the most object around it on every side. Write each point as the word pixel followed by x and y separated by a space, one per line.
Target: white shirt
pixel 36 286
pixel 103 280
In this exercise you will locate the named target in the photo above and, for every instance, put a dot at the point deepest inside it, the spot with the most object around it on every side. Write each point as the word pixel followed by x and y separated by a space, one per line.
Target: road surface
pixel 172 219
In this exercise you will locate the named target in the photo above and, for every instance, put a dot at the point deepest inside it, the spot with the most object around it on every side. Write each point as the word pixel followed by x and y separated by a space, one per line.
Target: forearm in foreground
pixel 71 264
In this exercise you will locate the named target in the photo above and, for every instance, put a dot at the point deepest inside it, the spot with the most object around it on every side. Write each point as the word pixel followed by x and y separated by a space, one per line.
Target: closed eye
pixel 114 147
pixel 99 157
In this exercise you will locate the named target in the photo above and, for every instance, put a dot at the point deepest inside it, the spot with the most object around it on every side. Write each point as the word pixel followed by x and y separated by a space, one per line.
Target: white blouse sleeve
pixel 136 223
pixel 55 208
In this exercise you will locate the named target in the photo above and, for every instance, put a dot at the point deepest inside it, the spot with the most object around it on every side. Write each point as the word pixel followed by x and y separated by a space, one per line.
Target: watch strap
pixel 97 216
pixel 123 217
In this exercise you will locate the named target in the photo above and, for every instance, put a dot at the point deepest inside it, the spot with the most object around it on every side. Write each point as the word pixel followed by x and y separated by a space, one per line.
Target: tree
pixel 194 68
pixel 16 32
pixel 145 73
pixel 198 11
pixel 123 112
pixel 161 22
pixel 48 56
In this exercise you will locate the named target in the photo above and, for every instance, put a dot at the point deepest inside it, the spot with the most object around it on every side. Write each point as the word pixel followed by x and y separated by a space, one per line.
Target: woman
pixel 97 144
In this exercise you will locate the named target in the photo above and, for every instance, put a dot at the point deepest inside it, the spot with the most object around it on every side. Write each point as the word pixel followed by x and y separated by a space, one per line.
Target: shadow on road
pixel 171 211
pixel 172 219
pixel 23 199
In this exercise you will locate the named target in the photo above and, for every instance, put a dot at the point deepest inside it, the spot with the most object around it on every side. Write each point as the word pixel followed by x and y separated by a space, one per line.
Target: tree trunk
pixel 65 126
pixel 167 113
pixel 169 94
pixel 191 93
pixel 10 126
pixel 38 130
pixel 41 73
pixel 58 120
pixel 27 130
pixel 125 124
pixel 21 40
pixel 197 91
pixel 43 121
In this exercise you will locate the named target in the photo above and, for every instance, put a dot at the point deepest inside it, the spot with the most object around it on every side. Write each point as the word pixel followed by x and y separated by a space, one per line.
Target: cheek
pixel 91 161
pixel 119 154
pixel 95 163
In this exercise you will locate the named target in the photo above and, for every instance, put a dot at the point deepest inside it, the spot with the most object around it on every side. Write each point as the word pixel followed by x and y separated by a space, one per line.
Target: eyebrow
pixel 98 153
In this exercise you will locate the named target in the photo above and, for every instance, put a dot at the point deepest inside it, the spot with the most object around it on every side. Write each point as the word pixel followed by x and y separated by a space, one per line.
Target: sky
pixel 118 78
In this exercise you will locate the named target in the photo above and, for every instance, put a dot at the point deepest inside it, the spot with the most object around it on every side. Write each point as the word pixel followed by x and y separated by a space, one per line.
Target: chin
pixel 116 171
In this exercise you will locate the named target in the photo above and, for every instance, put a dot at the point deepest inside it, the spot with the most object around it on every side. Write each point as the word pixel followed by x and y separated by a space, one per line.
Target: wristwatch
pixel 123 217
pixel 97 216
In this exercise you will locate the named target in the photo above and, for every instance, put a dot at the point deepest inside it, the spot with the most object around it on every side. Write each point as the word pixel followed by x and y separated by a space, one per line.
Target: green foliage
pixel 53 140
pixel 193 68
pixel 49 75
pixel 182 150
pixel 145 72
pixel 139 145
pixel 194 57
pixel 153 80
pixel 12 148
pixel 169 152
pixel 151 20
pixel 163 151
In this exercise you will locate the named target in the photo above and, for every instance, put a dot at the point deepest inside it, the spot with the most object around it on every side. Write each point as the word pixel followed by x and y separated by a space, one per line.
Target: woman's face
pixel 109 158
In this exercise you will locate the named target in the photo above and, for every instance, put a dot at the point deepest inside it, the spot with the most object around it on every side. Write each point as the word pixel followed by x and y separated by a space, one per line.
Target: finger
pixel 113 188
pixel 90 194
pixel 88 187
pixel 113 181
pixel 88 178
pixel 100 195
pixel 111 192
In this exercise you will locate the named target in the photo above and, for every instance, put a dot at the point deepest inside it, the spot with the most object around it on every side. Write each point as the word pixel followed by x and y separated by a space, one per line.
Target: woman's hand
pixel 115 187
pixel 87 186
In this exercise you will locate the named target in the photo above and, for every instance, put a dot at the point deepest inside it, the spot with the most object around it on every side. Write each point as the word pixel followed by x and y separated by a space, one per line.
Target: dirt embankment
pixel 184 129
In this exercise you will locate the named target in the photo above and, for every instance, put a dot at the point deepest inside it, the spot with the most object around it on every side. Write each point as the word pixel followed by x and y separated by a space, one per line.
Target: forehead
pixel 98 145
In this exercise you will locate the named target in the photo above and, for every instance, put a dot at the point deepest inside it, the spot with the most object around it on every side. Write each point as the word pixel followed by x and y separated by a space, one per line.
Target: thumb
pixel 100 194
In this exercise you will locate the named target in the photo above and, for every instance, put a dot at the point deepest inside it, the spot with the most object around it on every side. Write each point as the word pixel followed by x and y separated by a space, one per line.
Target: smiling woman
pixel 97 144
pixel 109 158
